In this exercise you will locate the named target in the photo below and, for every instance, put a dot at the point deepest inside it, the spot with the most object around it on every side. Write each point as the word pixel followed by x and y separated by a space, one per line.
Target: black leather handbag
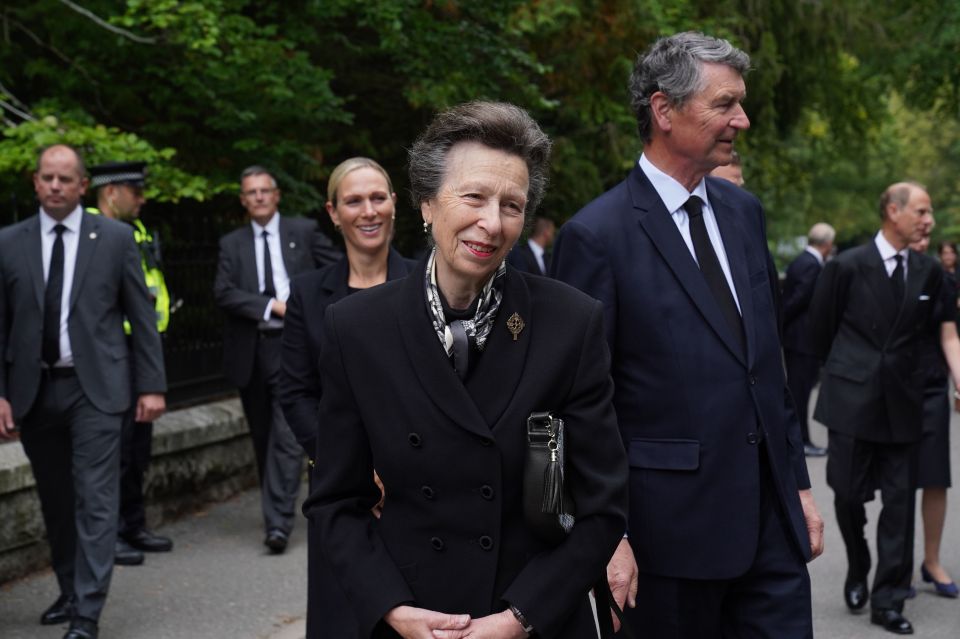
pixel 547 505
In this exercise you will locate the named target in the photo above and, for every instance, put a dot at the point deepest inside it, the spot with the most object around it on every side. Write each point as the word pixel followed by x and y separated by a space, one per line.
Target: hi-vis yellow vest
pixel 152 275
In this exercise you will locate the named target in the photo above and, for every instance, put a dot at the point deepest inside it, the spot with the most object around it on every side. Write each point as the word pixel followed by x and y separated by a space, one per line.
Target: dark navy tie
pixel 896 278
pixel 52 299
pixel 268 288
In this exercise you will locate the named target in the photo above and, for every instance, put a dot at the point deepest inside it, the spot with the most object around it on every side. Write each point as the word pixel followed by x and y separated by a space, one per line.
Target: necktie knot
pixel 59 229
pixel 265 234
pixel 693 206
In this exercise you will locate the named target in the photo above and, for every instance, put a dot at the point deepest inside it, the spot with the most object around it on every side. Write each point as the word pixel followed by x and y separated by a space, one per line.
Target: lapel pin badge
pixel 515 325
pixel 293 245
pixel 93 235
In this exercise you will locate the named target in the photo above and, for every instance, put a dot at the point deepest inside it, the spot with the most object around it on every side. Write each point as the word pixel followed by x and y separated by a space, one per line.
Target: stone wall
pixel 200 454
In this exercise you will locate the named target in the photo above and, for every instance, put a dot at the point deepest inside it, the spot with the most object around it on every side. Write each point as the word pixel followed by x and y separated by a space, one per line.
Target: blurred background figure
pixel 431 379
pixel 252 285
pixel 803 365
pixel 362 205
pixel 732 172
pixel 532 256
pixel 119 190
pixel 947 252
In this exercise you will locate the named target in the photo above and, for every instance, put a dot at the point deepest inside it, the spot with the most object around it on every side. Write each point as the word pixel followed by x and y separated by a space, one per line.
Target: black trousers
pixel 770 601
pixel 136 444
pixel 279 456
pixel 855 468
pixel 74 451
pixel 802 370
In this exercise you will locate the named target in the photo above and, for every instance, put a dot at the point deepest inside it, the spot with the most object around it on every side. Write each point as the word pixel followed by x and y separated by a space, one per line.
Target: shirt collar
pixel 72 221
pixel 272 227
pixel 673 194
pixel 814 252
pixel 536 248
pixel 886 249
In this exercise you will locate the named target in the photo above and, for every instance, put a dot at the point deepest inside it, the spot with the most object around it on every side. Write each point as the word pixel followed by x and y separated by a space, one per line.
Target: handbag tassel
pixel 552 487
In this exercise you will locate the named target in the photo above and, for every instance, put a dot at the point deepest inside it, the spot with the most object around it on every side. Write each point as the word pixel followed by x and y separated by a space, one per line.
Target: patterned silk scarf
pixel 476 329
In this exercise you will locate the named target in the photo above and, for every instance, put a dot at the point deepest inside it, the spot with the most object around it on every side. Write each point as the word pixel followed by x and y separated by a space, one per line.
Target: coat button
pixel 414 439
pixel 485 442
pixel 437 543
pixel 427 492
pixel 753 380
pixel 486 492
pixel 486 542
pixel 752 438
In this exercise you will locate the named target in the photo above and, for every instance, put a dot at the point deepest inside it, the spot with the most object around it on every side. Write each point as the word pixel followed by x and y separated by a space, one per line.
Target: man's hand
pixel 6 420
pixel 420 623
pixel 502 625
pixel 814 523
pixel 278 308
pixel 150 406
pixel 622 576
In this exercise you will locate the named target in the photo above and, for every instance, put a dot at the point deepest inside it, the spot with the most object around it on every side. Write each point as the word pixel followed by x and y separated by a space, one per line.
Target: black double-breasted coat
pixel 452 537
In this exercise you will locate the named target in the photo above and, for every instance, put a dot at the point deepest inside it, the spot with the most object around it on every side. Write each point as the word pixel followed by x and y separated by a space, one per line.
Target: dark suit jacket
pixel 310 294
pixel 797 292
pixel 521 257
pixel 872 381
pixel 688 402
pixel 452 535
pixel 107 287
pixel 237 290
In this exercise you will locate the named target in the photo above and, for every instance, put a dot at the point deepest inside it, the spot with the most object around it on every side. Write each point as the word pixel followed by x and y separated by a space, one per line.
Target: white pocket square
pixel 923 298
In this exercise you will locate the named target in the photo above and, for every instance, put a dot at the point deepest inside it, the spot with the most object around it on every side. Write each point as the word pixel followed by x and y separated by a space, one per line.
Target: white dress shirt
pixel 71 240
pixel 674 195
pixel 538 252
pixel 887 253
pixel 281 281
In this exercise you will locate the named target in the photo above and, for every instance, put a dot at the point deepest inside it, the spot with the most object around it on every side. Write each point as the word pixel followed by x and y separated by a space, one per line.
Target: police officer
pixel 119 188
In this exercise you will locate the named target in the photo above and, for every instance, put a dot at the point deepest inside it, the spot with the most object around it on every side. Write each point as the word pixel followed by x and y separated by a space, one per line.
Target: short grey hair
pixel 899 194
pixel 821 234
pixel 256 169
pixel 674 66
pixel 498 125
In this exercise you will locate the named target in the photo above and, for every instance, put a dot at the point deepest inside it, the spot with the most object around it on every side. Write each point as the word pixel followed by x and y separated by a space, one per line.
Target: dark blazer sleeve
pixel 344 494
pixel 148 369
pixel 227 286
pixel 300 386
pixel 581 260
pixel 596 472
pixel 827 306
pixel 798 287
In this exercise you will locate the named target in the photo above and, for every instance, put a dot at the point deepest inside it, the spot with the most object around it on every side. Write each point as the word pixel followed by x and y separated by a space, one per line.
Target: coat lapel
pixel 86 246
pixel 496 377
pixel 289 247
pixel 429 360
pixel 916 276
pixel 657 223
pixel 32 246
pixel 877 279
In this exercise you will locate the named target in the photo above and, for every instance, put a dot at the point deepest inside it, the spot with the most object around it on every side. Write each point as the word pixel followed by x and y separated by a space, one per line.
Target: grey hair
pixel 673 66
pixel 497 125
pixel 256 169
pixel 898 194
pixel 821 234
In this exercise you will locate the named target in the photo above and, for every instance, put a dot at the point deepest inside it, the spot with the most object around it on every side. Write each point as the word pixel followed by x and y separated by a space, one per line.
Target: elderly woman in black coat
pixel 431 380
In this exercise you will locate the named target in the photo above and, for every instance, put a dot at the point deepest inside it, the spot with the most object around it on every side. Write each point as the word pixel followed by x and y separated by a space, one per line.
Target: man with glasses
pixel 252 285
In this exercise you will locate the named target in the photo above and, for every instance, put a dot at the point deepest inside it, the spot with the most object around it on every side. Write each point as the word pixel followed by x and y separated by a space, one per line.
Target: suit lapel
pixel 289 247
pixel 732 235
pixel 497 374
pixel 32 246
pixel 916 276
pixel 334 282
pixel 875 274
pixel 663 232
pixel 86 246
pixel 430 362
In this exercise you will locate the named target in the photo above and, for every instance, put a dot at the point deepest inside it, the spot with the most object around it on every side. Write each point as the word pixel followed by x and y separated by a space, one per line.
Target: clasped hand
pixel 420 623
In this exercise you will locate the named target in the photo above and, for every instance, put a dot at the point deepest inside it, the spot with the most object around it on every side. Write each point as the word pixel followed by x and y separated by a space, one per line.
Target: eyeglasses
pixel 256 192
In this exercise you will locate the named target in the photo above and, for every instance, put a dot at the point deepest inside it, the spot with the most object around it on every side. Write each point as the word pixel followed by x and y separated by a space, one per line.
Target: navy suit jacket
pixel 689 404
pixel 797 292
pixel 521 257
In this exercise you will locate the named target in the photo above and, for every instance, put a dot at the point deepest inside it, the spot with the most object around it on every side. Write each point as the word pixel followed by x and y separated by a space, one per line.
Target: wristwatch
pixel 527 627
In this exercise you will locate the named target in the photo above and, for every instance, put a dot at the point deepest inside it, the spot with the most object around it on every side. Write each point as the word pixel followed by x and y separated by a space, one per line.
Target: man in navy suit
pixel 721 518
pixel 801 359
pixel 531 256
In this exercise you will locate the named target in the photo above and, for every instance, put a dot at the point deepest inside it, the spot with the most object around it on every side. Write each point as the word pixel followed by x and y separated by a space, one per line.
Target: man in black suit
pixel 252 285
pixel 68 280
pixel 721 516
pixel 531 256
pixel 870 308
pixel 803 365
